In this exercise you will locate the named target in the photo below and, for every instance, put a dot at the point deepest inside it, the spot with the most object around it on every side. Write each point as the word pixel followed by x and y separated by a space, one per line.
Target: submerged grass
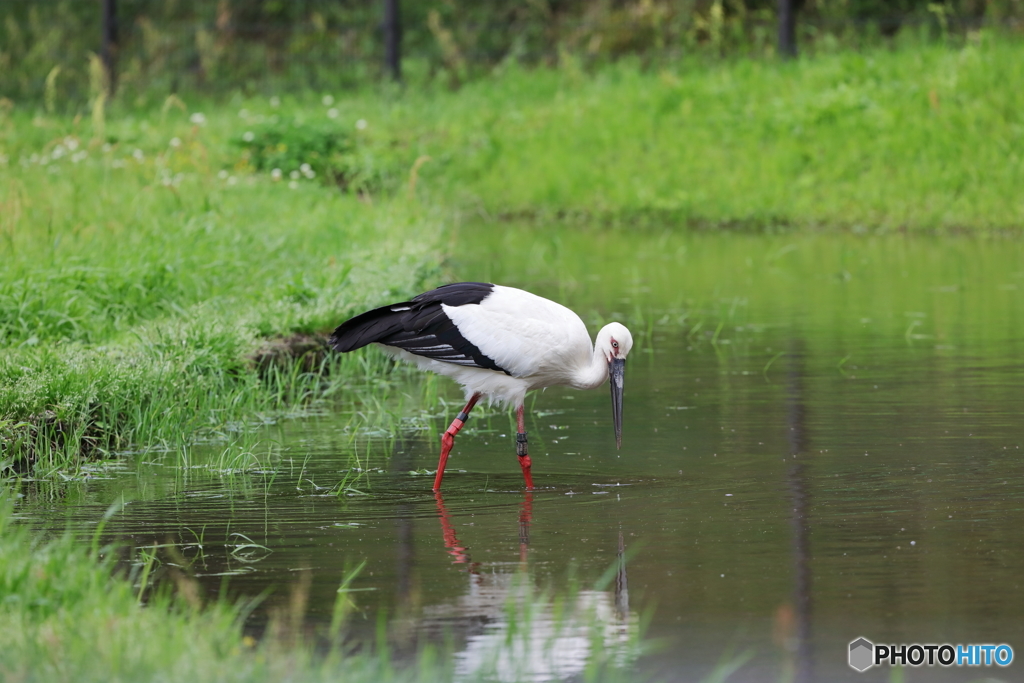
pixel 69 612
pixel 67 615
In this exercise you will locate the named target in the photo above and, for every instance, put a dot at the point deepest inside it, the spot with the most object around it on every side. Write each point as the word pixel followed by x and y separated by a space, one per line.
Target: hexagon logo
pixel 862 653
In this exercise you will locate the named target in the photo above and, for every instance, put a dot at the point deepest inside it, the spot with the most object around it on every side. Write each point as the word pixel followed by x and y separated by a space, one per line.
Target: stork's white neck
pixel 593 375
pixel 613 340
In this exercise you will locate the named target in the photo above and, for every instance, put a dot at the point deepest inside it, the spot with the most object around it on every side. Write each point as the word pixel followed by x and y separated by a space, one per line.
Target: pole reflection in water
pixel 514 631
pixel 407 594
pixel 621 589
pixel 793 622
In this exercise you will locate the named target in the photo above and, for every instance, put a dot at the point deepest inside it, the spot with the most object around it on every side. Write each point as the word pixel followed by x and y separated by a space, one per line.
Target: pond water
pixel 823 440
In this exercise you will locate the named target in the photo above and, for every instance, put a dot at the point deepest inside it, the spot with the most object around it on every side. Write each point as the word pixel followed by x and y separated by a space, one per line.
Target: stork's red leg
pixel 448 439
pixel 521 450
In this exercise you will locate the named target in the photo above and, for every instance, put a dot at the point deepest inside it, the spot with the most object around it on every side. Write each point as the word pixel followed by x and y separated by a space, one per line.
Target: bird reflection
pixel 515 631
pixel 458 551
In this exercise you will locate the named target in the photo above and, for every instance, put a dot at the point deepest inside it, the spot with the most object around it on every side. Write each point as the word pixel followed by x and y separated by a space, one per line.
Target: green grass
pixel 923 137
pixel 136 290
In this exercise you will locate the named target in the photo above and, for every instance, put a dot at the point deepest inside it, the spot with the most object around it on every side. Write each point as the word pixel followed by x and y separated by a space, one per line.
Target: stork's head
pixel 615 342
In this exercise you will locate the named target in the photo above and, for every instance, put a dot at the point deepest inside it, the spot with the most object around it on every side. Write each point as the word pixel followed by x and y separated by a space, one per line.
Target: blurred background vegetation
pixel 53 49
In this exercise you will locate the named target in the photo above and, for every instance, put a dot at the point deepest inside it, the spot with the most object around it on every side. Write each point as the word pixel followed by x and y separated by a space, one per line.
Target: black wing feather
pixel 420 326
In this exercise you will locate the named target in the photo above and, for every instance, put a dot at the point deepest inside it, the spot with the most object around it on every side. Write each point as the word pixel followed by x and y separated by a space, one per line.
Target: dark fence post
pixel 109 51
pixel 393 39
pixel 787 28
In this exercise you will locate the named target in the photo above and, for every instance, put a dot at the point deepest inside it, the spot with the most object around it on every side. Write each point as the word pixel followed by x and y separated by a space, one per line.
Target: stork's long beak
pixel 616 370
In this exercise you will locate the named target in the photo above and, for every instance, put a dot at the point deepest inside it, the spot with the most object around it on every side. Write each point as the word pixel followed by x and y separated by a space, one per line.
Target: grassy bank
pixel 922 137
pixel 139 288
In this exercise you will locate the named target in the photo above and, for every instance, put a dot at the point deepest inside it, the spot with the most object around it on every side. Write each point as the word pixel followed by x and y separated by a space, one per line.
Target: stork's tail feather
pixel 420 327
pixel 369 327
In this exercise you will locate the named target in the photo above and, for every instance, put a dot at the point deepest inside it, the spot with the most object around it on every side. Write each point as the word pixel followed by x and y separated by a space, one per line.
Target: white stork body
pixel 538 342
pixel 498 342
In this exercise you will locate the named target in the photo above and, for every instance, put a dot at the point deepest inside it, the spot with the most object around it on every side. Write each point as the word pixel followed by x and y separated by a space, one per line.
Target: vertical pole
pixel 787 28
pixel 108 52
pixel 393 39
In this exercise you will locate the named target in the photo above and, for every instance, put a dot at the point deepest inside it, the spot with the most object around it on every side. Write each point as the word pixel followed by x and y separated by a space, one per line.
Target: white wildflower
pixel 248 136
pixel 327 100
pixel 305 168
pixel 139 156
pixel 361 124
pixel 198 118
pixel 294 175
pixel 293 185
pixel 276 174
pixel 232 180
pixel 117 163
pixel 175 142
pixel 79 156
pixel 222 174
pixel 107 147
pixel 332 113
pixel 71 143
pixel 58 152
pixel 310 174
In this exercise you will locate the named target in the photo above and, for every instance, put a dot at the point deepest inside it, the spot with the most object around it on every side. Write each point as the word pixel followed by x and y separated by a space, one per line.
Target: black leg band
pixel 521 444
pixel 462 416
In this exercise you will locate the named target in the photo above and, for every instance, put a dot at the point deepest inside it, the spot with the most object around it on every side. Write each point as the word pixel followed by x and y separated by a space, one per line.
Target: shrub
pixel 290 148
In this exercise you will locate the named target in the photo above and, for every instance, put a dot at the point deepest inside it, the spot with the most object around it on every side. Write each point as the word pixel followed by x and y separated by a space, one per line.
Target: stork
pixel 499 342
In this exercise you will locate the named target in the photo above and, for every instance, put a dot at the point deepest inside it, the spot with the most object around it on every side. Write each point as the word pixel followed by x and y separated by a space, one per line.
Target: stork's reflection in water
pixel 517 631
